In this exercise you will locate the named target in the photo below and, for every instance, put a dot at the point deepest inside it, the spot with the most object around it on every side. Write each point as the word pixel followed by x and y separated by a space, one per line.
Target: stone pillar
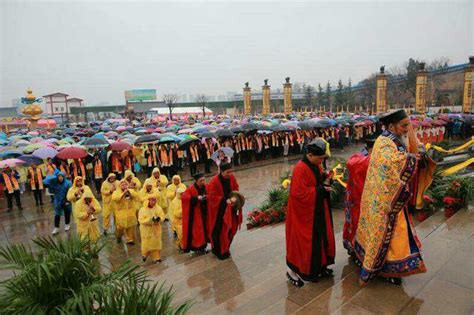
pixel 265 98
pixel 287 93
pixel 381 97
pixel 468 79
pixel 247 99
pixel 421 84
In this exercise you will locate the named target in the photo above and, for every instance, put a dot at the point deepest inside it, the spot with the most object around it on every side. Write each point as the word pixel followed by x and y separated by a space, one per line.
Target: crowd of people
pixel 212 212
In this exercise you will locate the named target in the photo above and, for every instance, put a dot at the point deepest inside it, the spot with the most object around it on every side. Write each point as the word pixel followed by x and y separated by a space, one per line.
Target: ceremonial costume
pixel 194 215
pixel 224 219
pixel 310 245
pixel 386 241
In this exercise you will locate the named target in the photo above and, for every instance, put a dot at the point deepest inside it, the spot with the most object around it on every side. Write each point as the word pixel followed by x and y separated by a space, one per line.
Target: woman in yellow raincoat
pixel 150 217
pixel 135 184
pixel 87 209
pixel 160 182
pixel 171 193
pixel 75 193
pixel 124 200
pixel 177 215
pixel 147 189
pixel 107 189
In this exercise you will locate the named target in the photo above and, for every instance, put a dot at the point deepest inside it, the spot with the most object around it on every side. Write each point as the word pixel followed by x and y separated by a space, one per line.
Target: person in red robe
pixel 194 205
pixel 224 218
pixel 310 245
pixel 357 166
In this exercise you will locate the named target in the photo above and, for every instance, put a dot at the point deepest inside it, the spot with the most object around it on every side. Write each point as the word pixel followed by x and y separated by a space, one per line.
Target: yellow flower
pixel 286 183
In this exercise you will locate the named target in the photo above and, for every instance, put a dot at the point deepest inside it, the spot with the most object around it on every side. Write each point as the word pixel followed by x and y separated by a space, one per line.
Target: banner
pixel 140 95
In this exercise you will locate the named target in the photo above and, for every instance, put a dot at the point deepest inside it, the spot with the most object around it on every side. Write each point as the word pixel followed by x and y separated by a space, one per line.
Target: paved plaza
pixel 253 280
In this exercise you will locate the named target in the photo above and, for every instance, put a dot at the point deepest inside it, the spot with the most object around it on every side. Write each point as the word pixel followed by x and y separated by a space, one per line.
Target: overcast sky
pixel 96 50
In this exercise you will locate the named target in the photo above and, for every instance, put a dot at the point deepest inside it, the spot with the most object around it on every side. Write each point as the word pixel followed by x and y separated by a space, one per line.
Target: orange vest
pixel 8 183
pixel 64 170
pixel 83 170
pixel 152 159
pixel 39 177
pixel 194 154
pixel 98 169
pixel 116 166
pixel 51 168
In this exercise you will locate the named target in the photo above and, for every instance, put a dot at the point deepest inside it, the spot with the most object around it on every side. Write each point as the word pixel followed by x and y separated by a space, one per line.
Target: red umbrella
pixel 71 153
pixel 120 146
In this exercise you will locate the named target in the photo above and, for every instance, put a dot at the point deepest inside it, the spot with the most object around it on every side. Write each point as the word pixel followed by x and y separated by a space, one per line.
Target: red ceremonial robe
pixel 358 164
pixel 310 242
pixel 224 219
pixel 194 235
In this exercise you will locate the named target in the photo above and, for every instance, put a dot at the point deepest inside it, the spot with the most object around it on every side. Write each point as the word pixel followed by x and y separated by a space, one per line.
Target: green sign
pixel 140 95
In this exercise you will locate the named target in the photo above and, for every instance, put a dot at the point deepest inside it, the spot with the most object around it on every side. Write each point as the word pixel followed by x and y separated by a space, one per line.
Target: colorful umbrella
pixel 10 154
pixel 44 153
pixel 146 139
pixel 166 139
pixel 72 153
pixel 11 163
pixel 95 142
pixel 187 140
pixel 224 133
pixel 33 147
pixel 120 146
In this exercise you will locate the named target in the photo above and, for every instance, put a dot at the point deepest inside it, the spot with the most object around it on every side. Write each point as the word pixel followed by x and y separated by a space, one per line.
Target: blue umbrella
pixel 166 139
pixel 10 154
pixel 31 159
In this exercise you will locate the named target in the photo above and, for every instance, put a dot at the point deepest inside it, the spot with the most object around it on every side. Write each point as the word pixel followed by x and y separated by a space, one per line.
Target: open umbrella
pixel 207 134
pixel 11 163
pixel 33 147
pixel 10 154
pixel 95 142
pixel 21 143
pixel 72 153
pixel 224 133
pixel 187 140
pixel 120 146
pixel 249 127
pixel 31 159
pixel 146 139
pixel 237 129
pixel 227 152
pixel 280 128
pixel 166 139
pixel 44 153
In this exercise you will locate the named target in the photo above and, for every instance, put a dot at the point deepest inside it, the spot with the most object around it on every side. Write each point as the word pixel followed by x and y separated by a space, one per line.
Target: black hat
pixel 197 176
pixel 317 147
pixel 225 167
pixel 370 141
pixel 393 117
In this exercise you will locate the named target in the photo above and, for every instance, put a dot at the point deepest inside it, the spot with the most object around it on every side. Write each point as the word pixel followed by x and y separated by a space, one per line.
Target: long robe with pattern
pixel 386 242
pixel 194 214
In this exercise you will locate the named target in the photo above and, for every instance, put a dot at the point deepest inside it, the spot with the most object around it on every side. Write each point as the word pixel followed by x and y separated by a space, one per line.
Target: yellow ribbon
pixel 338 177
pixel 457 168
pixel 440 149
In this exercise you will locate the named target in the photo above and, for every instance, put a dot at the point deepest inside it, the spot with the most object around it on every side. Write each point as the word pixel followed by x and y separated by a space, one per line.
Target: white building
pixel 59 104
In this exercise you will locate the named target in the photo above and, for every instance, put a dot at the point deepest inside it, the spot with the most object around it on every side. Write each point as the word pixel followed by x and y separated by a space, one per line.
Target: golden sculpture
pixel 32 109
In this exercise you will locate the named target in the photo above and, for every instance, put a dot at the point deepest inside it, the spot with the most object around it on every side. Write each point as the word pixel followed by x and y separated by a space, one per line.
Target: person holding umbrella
pixel 151 157
pixel 9 179
pixel 36 183
pixel 115 161
pixel 98 172
pixel 58 185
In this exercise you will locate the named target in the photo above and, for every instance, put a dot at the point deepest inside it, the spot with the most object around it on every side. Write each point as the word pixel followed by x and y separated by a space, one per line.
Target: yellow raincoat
pixel 87 228
pixel 177 215
pixel 106 191
pixel 75 193
pixel 171 193
pixel 135 184
pixel 150 230
pixel 125 214
pixel 161 184
pixel 147 189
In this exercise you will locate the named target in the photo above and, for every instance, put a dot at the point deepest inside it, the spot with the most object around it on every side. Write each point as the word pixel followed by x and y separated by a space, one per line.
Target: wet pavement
pixel 253 279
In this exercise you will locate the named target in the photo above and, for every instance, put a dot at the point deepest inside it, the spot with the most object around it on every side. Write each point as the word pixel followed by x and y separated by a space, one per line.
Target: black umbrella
pixel 236 129
pixel 95 142
pixel 306 125
pixel 322 124
pixel 249 127
pixel 207 134
pixel 146 139
pixel 280 128
pixel 31 159
pixel 224 133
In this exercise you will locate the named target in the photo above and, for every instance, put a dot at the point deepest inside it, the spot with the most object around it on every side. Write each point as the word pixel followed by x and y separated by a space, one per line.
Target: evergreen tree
pixel 320 96
pixel 327 97
pixel 339 97
pixel 309 96
pixel 350 98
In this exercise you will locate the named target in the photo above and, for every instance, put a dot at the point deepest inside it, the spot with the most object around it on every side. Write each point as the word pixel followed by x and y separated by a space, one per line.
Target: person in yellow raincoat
pixel 75 193
pixel 177 215
pixel 160 183
pixel 124 200
pixel 150 217
pixel 171 193
pixel 87 210
pixel 147 189
pixel 135 184
pixel 107 189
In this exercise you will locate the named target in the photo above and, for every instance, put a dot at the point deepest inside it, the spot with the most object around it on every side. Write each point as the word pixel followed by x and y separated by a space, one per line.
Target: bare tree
pixel 201 100
pixel 170 101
